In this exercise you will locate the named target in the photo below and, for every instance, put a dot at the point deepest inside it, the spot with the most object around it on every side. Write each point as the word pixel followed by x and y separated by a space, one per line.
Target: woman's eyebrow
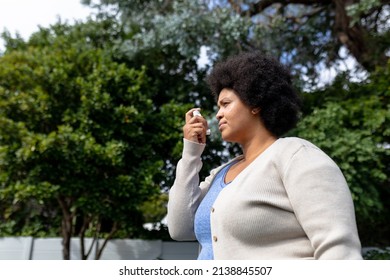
pixel 221 101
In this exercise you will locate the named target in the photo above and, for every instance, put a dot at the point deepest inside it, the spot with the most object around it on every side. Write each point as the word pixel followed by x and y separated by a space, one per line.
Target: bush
pixel 377 254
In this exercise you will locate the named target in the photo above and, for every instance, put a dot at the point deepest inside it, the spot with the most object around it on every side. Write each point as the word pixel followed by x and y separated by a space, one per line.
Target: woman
pixel 283 198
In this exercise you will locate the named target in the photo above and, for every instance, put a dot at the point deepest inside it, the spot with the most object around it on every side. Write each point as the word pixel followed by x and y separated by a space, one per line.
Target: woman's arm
pixel 185 194
pixel 323 204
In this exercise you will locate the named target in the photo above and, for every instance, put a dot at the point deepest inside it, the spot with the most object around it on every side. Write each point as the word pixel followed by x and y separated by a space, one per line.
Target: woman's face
pixel 236 120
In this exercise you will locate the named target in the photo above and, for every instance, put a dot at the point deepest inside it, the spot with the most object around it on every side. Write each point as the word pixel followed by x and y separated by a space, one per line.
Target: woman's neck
pixel 256 146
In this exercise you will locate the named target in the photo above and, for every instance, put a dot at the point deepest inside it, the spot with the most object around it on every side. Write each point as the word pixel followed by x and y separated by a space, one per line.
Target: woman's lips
pixel 220 126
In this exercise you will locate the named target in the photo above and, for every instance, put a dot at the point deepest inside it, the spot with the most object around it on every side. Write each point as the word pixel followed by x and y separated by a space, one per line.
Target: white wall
pixel 28 248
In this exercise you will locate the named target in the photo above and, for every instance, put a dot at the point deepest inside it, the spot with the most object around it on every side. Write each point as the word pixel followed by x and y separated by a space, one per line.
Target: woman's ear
pixel 255 111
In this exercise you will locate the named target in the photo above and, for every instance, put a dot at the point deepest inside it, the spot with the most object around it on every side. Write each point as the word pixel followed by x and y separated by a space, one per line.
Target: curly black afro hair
pixel 260 82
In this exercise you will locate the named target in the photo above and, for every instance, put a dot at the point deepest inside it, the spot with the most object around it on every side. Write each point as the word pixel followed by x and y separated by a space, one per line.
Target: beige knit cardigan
pixel 291 202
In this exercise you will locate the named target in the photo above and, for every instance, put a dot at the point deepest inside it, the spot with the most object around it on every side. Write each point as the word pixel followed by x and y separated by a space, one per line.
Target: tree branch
pixel 307 15
pixel 114 229
pixel 83 229
pixel 262 5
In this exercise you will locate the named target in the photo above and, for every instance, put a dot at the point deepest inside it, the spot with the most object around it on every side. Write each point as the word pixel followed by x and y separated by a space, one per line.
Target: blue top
pixel 202 215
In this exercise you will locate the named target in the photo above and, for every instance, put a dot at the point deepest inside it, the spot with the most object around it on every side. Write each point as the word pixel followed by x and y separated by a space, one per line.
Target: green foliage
pixel 377 254
pixel 80 133
pixel 154 208
pixel 356 10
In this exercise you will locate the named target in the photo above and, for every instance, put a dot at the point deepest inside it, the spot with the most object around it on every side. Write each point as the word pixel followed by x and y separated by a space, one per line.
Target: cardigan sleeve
pixel 322 202
pixel 186 193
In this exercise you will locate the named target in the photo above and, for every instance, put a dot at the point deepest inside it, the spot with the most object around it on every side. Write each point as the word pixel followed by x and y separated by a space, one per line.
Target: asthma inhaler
pixel 197 113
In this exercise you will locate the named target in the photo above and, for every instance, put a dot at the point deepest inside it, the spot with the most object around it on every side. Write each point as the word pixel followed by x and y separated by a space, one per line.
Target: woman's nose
pixel 219 115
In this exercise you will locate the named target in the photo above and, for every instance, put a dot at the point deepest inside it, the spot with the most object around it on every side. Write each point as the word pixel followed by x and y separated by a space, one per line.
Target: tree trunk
pixel 84 255
pixel 66 227
pixel 354 37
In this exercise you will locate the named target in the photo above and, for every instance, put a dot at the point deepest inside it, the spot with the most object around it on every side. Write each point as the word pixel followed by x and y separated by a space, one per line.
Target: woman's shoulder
pixel 288 147
pixel 293 144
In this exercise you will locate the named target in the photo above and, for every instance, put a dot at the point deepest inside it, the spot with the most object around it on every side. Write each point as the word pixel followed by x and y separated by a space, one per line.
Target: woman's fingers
pixel 195 127
pixel 190 114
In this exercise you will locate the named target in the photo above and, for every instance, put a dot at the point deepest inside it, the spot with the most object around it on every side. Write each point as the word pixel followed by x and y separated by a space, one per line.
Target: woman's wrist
pixel 191 148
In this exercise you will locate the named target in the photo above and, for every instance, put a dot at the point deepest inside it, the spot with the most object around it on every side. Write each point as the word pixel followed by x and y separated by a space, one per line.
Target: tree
pixel 321 28
pixel 80 135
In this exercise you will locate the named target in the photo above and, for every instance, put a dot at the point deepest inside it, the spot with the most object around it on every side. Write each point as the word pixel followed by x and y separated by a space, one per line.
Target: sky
pixel 24 16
